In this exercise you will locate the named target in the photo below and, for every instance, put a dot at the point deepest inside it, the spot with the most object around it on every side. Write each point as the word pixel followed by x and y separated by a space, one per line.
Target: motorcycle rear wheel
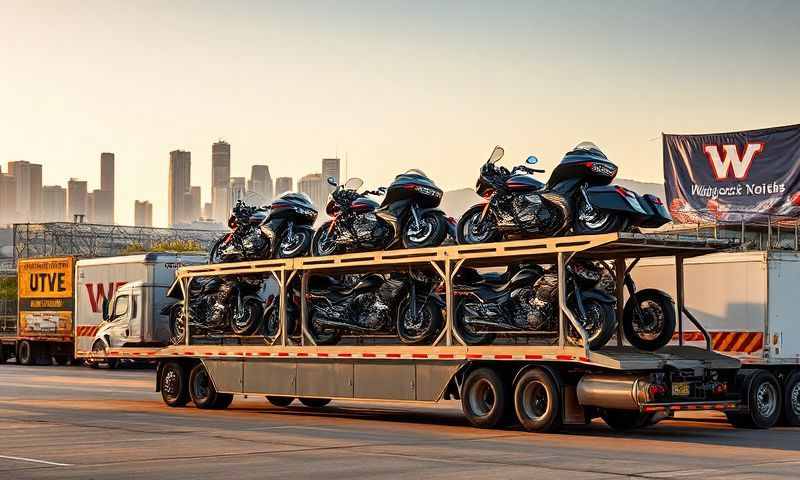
pixel 467 229
pixel 324 335
pixel 591 221
pixel 604 318
pixel 466 332
pixel 430 323
pixel 251 317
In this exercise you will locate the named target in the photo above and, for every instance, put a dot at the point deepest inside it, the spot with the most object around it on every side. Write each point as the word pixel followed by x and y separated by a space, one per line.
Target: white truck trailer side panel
pixel 783 328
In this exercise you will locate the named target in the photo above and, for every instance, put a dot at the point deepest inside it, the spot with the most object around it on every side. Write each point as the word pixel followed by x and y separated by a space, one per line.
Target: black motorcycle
pixel 281 230
pixel 525 300
pixel 407 215
pixel 242 317
pixel 578 197
pixel 404 304
pixel 293 311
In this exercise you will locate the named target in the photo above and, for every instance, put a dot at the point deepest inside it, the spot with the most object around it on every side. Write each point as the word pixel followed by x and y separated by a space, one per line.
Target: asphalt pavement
pixel 75 422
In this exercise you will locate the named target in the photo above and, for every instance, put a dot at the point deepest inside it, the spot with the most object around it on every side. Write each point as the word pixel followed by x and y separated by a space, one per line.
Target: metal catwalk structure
pixel 91 240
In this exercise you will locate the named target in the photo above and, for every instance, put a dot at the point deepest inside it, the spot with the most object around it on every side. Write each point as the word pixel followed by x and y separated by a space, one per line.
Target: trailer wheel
pixel 63 359
pixel 173 385
pixel 791 400
pixel 537 401
pixel 484 398
pixel 280 401
pixel 625 420
pixel 25 353
pixel 202 390
pixel 315 402
pixel 763 401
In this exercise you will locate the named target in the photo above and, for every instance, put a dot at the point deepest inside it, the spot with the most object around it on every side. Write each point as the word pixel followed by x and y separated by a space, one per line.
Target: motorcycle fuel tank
pixel 523 183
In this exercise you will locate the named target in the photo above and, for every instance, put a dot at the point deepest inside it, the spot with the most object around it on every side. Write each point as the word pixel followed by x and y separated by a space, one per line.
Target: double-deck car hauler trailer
pixel 544 386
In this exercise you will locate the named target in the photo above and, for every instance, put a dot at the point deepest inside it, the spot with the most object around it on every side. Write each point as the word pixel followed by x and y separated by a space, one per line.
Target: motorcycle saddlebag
pixel 616 198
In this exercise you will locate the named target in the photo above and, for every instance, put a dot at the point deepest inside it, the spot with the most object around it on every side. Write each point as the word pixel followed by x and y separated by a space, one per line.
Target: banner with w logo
pixel 733 177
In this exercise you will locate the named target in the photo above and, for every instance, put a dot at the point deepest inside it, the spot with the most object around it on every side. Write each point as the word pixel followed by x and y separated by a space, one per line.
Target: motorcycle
pixel 578 197
pixel 407 215
pixel 404 304
pixel 526 300
pixel 243 316
pixel 281 230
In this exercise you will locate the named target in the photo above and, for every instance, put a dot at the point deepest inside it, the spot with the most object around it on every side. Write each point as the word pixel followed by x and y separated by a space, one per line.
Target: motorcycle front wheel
pixel 655 324
pixel 592 221
pixel 472 229
pixel 293 247
pixel 420 328
pixel 324 241
pixel 467 332
pixel 246 321
pixel 271 319
pixel 215 254
pixel 430 231
pixel 177 326
pixel 600 323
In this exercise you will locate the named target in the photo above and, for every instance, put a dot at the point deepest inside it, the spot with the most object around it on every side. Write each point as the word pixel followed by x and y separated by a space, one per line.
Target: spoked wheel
pixel 422 326
pixel 322 334
pixel 590 220
pixel 484 398
pixel 324 241
pixel 653 325
pixel 472 229
pixel 430 231
pixel 315 402
pixel 469 333
pixel 600 323
pixel 537 401
pixel 245 321
pixel 177 326
pixel 295 245
pixel 173 385
pixel 202 390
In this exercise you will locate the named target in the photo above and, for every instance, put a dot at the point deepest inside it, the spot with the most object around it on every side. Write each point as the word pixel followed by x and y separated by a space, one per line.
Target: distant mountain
pixel 456 202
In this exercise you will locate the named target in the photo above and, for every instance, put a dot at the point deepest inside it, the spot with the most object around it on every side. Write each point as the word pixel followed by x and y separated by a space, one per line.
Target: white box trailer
pixel 149 274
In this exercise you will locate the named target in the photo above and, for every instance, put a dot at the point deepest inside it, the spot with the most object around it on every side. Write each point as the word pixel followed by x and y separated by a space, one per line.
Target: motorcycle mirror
pixel 331 181
pixel 497 154
pixel 532 160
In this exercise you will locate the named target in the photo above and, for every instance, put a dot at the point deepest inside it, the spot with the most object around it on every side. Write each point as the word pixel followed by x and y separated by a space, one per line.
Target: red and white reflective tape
pixel 675 408
pixel 734 342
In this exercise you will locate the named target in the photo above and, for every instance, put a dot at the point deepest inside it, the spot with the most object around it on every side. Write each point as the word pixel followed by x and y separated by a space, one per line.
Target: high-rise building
pixel 8 199
pixel 208 210
pixel 220 179
pixel 237 189
pixel 220 207
pixel 54 203
pixel 283 184
pixel 77 198
pixel 331 168
pixel 107 181
pixel 195 204
pixel 100 207
pixel 180 172
pixel 142 213
pixel 313 186
pixel 29 189
pixel 260 181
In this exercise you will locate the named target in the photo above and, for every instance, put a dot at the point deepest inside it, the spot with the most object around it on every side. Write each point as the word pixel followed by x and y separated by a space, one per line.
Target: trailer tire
pixel 63 359
pixel 626 420
pixel 763 402
pixel 173 384
pixel 25 353
pixel 315 402
pixel 202 390
pixel 224 401
pixel 537 401
pixel 791 400
pixel 280 401
pixel 485 398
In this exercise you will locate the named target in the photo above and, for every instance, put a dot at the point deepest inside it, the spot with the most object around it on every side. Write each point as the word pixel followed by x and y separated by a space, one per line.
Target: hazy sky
pixel 429 84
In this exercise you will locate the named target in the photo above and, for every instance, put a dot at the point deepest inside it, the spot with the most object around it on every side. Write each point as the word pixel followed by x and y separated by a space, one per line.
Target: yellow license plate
pixel 680 389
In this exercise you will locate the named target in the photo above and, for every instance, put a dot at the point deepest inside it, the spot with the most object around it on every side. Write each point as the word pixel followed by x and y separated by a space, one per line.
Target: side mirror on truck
pixel 105 309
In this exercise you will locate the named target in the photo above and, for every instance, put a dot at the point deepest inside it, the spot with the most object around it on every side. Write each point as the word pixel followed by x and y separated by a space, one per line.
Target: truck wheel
pixel 62 359
pixel 280 401
pixel 202 390
pixel 25 353
pixel 315 402
pixel 791 400
pixel 763 403
pixel 173 385
pixel 625 420
pixel 537 401
pixel 484 398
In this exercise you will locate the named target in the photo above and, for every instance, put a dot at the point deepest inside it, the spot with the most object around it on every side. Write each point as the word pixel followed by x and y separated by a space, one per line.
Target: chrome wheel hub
pixel 766 399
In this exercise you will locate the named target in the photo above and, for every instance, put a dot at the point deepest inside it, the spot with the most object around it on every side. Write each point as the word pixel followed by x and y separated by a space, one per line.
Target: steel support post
pixel 304 335
pixel 679 295
pixel 282 306
pixel 185 289
pixel 619 275
pixel 562 295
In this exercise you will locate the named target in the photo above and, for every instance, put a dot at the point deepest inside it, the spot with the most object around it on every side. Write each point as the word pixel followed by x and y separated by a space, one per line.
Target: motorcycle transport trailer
pixel 543 386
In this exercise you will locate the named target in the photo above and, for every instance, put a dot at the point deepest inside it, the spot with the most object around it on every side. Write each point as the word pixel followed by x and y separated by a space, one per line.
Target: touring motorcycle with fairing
pixel 578 198
pixel 401 303
pixel 281 230
pixel 525 300
pixel 408 216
